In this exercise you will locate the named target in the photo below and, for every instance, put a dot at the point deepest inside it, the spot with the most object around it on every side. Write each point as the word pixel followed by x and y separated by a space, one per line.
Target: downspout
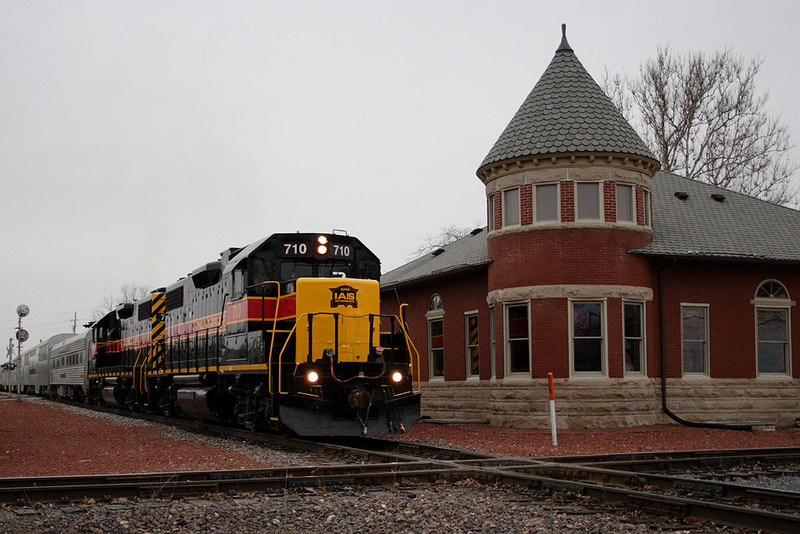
pixel 664 408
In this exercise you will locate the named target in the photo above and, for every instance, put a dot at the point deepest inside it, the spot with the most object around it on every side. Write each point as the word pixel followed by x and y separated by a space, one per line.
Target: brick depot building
pixel 645 294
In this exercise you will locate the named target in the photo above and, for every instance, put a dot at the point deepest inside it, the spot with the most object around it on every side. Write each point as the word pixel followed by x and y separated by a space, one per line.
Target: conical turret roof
pixel 566 112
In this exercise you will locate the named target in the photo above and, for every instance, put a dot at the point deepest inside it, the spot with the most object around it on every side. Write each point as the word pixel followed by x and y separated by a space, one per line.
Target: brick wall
pixel 610 201
pixel 461 293
pixel 567 201
pixel 728 289
pixel 583 255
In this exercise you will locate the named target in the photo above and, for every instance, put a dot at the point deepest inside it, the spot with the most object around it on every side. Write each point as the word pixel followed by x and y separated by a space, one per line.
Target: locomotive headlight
pixel 322 248
pixel 397 377
pixel 312 377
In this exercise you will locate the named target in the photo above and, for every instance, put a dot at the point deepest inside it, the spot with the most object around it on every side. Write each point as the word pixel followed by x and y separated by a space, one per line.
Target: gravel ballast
pixel 447 509
pixel 39 438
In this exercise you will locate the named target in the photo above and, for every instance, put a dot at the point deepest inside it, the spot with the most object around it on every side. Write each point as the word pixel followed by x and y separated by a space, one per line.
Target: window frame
pixel 473 314
pixel 492 343
pixel 631 202
pixel 603 372
pixel 535 203
pixel 600 211
pixel 647 213
pixel 431 356
pixel 490 209
pixel 434 314
pixel 774 303
pixel 504 203
pixel 506 340
pixel 706 373
pixel 642 339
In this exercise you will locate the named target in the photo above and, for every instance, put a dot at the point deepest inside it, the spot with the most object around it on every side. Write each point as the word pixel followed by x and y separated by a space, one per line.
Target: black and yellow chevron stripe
pixel 157 330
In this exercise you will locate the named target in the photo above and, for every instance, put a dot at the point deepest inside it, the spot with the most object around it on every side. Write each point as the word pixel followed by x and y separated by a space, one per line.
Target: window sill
pixel 636 376
pixel 519 376
pixel 775 376
pixel 588 376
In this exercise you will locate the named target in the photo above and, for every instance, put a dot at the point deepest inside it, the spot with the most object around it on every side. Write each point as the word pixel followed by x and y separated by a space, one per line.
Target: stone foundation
pixel 613 402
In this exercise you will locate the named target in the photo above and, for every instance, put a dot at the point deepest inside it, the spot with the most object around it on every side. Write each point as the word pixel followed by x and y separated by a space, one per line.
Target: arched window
pixel 435 318
pixel 773 350
pixel 772 289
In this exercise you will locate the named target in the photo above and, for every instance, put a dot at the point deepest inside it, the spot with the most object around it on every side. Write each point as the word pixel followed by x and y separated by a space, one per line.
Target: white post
pixel 552 410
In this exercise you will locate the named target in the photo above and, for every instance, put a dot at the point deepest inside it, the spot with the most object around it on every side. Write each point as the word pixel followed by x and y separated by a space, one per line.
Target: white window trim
pixel 435 317
pixel 503 207
pixel 467 354
pixel 777 304
pixel 534 189
pixel 492 343
pixel 603 346
pixel 643 372
pixel 600 203
pixel 647 208
pixel 506 355
pixel 632 189
pixel 490 200
pixel 707 355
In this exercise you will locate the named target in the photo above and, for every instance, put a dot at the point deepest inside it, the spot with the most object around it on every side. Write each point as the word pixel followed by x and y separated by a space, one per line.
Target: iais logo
pixel 343 296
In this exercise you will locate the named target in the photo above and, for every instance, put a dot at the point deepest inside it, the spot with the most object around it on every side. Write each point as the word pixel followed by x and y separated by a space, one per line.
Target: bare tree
pixel 703 117
pixel 445 236
pixel 127 293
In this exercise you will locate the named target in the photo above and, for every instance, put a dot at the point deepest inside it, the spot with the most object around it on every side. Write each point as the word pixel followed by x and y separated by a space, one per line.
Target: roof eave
pixel 464 268
pixel 715 257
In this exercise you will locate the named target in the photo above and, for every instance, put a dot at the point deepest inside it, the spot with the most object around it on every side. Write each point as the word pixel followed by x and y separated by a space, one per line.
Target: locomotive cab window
pixel 238 283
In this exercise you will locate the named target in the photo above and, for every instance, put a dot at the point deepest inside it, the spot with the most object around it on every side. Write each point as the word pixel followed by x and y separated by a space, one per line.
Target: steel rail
pixel 180 484
pixel 642 458
pixel 657 503
pixel 600 476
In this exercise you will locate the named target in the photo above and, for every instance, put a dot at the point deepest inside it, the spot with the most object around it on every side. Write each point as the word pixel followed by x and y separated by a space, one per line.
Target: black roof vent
pixel 437 252
pixel 683 195
pixel 476 231
pixel 719 197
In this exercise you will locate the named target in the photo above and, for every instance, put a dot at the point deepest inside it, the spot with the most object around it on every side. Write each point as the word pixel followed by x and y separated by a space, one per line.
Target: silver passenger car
pixel 36 366
pixel 68 359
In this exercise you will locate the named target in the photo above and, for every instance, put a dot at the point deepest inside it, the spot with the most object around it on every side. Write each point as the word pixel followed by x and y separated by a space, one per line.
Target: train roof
pixel 237 256
pixel 71 339
pixel 47 343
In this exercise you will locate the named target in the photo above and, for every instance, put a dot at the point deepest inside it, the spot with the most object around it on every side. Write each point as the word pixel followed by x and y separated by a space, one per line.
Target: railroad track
pixel 637 480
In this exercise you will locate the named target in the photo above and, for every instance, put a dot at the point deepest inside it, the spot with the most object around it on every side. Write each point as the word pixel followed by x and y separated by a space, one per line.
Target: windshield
pixel 292 270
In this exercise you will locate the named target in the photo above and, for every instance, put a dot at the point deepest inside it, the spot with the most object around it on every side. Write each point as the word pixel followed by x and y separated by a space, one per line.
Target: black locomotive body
pixel 285 333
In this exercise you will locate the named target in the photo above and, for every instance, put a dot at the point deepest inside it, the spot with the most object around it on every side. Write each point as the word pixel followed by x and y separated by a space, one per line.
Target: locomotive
pixel 283 334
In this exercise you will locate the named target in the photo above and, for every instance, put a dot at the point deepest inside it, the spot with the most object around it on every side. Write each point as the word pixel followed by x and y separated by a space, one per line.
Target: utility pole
pixel 22 336
pixel 10 356
pixel 74 322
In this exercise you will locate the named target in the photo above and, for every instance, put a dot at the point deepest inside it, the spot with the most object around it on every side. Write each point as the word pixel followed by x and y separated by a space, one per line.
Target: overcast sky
pixel 140 139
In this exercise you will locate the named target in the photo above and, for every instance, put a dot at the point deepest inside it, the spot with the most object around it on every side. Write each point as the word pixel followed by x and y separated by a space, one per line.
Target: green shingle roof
pixel 565 112
pixel 737 227
pixel 461 255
